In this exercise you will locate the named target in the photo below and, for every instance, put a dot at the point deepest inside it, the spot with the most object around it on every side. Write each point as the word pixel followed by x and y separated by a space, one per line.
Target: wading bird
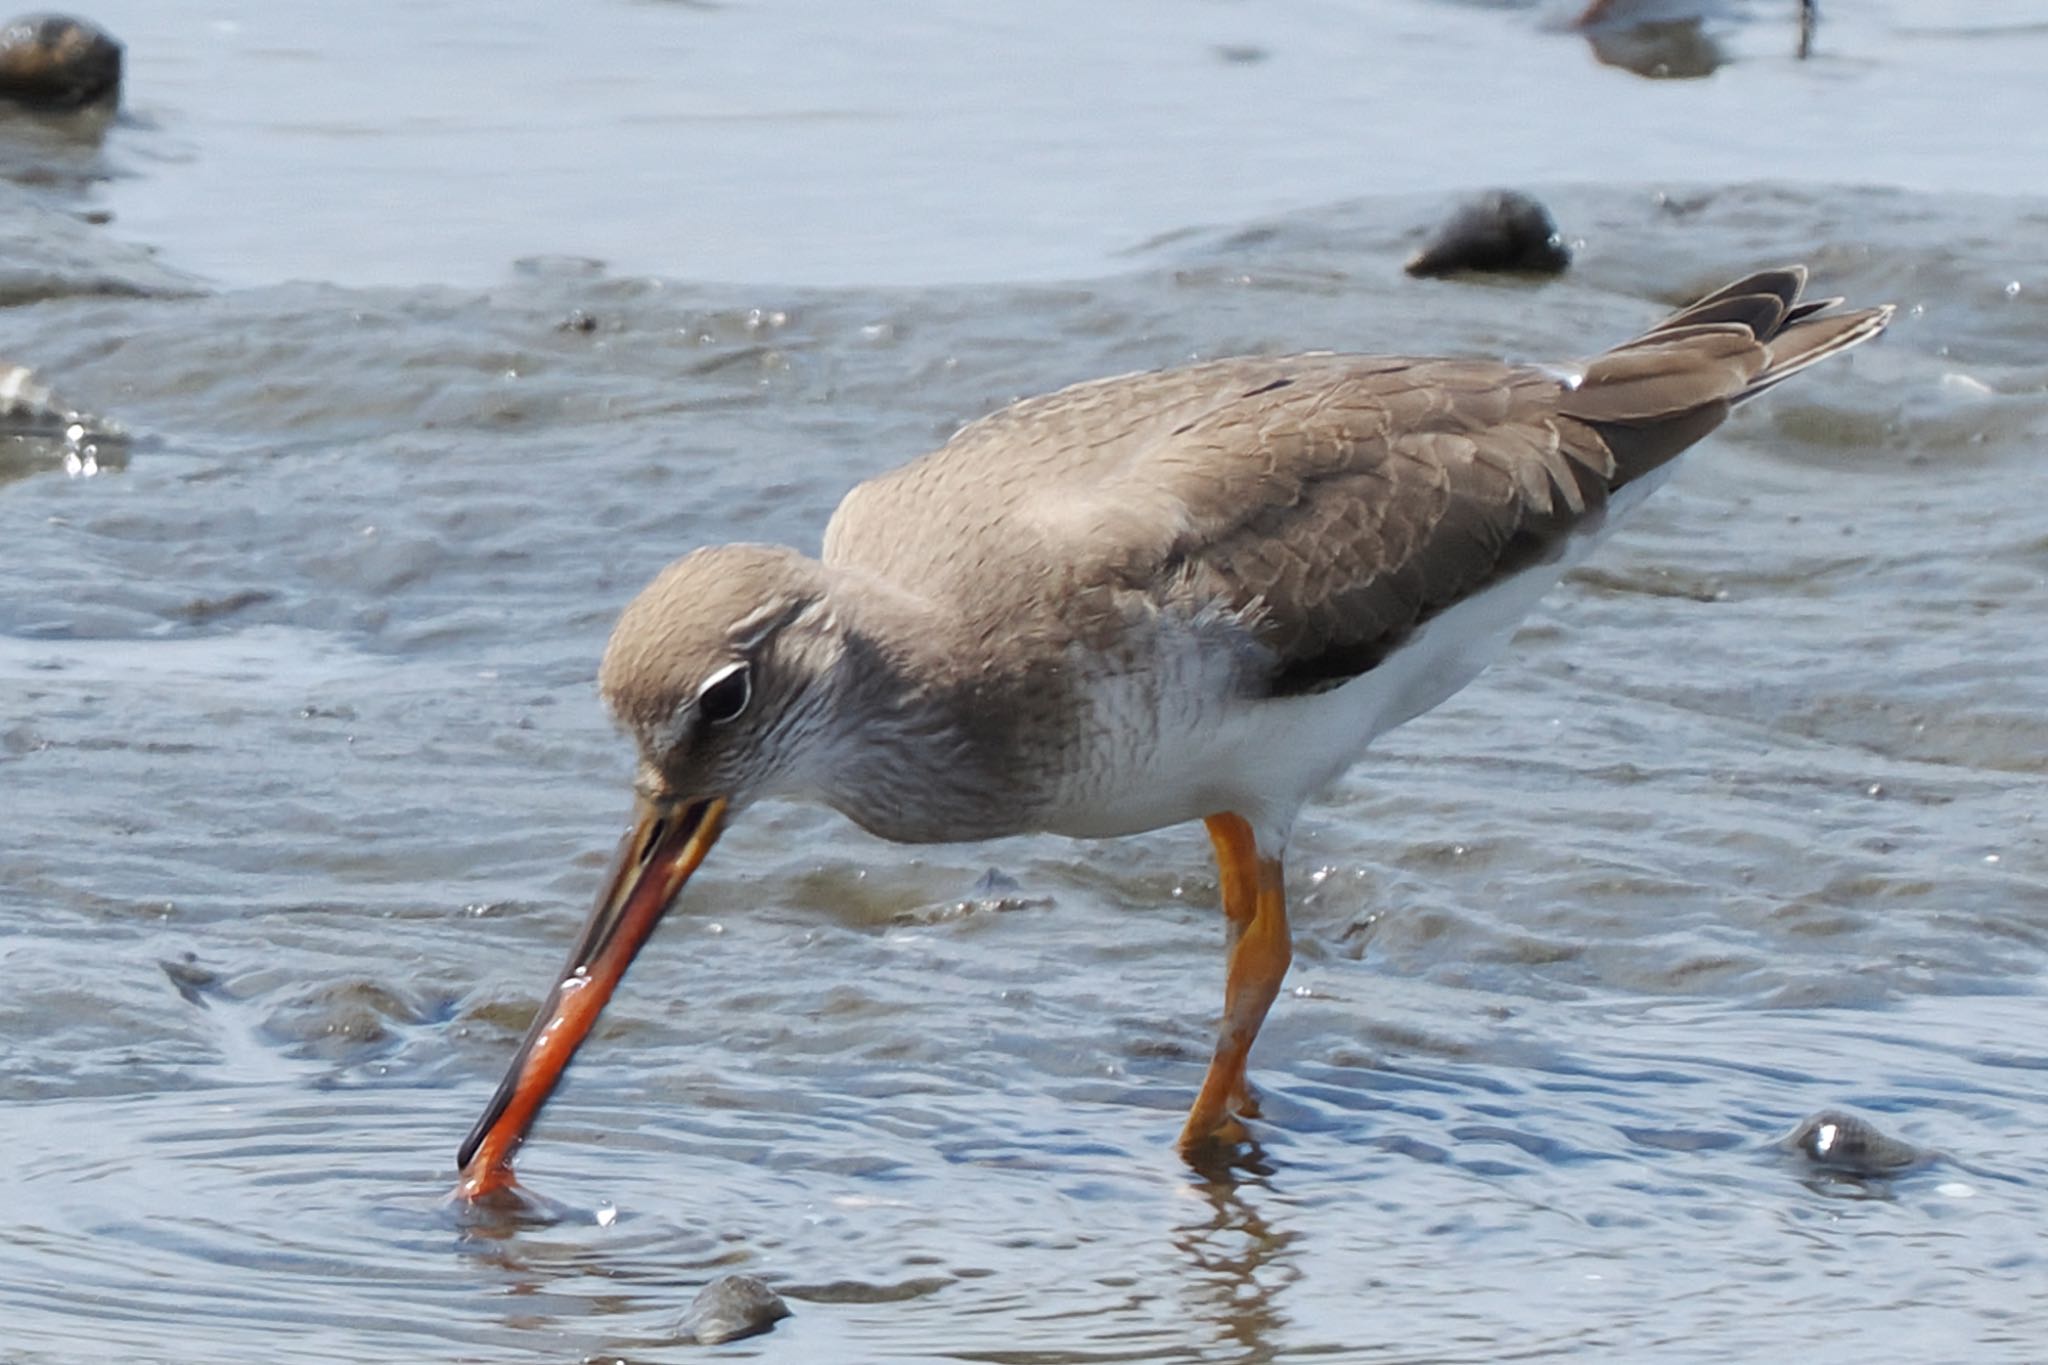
pixel 1195 594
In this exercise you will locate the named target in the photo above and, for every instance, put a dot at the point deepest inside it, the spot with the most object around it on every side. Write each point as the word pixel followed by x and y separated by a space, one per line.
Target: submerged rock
pixel 1503 230
pixel 1851 1145
pixel 191 980
pixel 731 1307
pixel 53 61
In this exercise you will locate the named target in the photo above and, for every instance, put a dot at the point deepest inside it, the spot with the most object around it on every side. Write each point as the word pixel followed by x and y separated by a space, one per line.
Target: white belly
pixel 1184 748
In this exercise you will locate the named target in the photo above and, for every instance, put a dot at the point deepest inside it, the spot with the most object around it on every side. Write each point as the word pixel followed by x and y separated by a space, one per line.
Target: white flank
pixel 1176 746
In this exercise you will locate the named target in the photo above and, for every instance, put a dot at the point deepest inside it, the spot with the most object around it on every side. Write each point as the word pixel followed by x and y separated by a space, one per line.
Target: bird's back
pixel 1334 502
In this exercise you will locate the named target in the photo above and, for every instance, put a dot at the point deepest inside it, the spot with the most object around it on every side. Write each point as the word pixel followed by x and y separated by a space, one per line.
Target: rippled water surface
pixel 305 785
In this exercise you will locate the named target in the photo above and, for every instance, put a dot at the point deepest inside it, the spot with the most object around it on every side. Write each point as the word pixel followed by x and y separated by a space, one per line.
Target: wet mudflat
pixel 306 787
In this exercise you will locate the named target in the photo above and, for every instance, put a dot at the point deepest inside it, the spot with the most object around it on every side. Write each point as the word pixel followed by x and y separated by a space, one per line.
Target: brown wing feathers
pixel 1508 492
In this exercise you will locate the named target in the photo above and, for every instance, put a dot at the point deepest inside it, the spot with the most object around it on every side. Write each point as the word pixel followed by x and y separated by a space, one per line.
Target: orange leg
pixel 1255 901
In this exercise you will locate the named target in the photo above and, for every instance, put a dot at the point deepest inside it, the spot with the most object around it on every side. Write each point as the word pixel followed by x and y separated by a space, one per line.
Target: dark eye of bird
pixel 726 695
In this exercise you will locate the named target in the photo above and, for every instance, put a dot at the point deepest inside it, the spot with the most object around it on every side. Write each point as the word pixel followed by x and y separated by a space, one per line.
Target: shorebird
pixel 1193 594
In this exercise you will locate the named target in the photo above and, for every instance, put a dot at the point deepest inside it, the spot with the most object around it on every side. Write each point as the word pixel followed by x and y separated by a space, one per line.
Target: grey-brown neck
pixel 862 694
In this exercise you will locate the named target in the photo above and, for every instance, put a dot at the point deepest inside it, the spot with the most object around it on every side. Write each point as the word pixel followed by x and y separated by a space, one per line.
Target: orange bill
pixel 658 854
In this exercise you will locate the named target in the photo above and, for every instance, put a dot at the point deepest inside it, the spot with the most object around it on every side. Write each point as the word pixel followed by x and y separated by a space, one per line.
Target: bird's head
pixel 720 669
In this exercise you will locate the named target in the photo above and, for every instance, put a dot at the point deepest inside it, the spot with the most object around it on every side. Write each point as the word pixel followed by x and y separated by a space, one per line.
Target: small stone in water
pixel 731 1307
pixel 53 61
pixel 1850 1144
pixel 1502 230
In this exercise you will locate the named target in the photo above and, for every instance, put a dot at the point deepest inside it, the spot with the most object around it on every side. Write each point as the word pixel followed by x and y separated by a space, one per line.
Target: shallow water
pixel 924 142
pixel 306 784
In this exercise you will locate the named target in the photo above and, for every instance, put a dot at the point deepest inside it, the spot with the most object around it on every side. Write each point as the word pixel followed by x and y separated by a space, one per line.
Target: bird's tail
pixel 1677 381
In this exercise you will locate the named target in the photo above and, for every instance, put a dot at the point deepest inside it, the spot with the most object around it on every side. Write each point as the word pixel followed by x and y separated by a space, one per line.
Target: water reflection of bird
pixel 1191 594
pixel 1239 1264
pixel 1670 39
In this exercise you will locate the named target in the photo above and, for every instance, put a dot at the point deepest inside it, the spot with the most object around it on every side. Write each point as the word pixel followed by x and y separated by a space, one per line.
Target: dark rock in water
pixel 53 61
pixel 731 1307
pixel 1851 1145
pixel 1503 231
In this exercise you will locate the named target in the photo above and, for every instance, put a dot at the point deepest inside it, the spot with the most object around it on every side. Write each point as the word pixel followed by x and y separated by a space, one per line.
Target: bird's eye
pixel 725 694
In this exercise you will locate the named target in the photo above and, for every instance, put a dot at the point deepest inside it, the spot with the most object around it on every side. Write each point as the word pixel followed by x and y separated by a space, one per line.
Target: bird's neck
pixel 918 754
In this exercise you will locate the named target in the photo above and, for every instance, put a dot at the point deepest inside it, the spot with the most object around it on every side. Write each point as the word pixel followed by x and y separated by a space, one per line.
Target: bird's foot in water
pixel 1205 1142
pixel 1203 1138
pixel 1217 1121
pixel 1227 1154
